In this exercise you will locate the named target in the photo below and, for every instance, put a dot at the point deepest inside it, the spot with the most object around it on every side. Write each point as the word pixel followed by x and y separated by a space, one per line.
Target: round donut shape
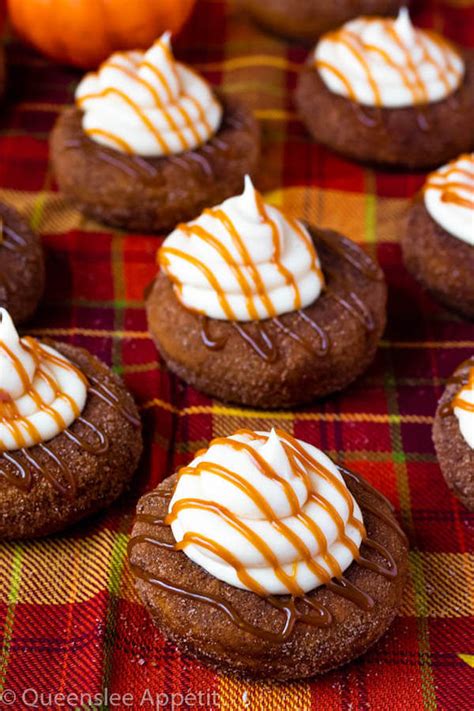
pixel 82 470
pixel 307 19
pixel 442 263
pixel 413 137
pixel 456 458
pixel 21 265
pixel 153 194
pixel 312 352
pixel 207 631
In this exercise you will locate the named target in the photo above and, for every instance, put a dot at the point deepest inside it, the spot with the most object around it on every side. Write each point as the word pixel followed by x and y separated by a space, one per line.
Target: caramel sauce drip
pixel 407 71
pixel 302 464
pixel 298 606
pixel 256 335
pixel 158 103
pixel 452 190
pixel 9 415
pixel 259 290
pixel 463 376
pixel 16 467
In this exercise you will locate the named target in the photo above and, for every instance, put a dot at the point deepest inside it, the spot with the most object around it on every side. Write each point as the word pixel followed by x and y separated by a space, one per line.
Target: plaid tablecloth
pixel 70 620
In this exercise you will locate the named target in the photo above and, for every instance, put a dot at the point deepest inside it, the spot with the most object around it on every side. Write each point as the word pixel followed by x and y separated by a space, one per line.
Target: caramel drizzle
pixel 453 191
pixel 407 70
pixel 259 290
pixel 158 103
pixel 298 606
pixel 256 334
pixel 23 461
pixel 463 376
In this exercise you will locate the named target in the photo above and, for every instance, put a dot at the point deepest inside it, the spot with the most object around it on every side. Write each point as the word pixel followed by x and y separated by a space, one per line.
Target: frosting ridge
pixel 449 197
pixel 41 392
pixel 243 260
pixel 147 103
pixel 266 512
pixel 384 62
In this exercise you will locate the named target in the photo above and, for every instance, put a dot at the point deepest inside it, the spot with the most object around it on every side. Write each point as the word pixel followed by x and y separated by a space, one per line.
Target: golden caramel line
pixel 287 275
pixel 412 79
pixel 210 276
pixel 158 103
pixel 453 191
pixel 261 292
pixel 161 78
pixel 220 215
pixel 19 425
pixel 254 539
pixel 141 115
pixel 458 401
pixel 208 238
pixel 254 495
pixel 294 452
pixel 358 54
pixel 431 60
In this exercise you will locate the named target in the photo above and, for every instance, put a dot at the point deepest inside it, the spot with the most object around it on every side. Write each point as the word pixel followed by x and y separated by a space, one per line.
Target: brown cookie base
pixel 307 19
pixel 456 458
pixel 411 137
pixel 206 632
pixel 21 265
pixel 153 195
pixel 442 263
pixel 99 478
pixel 236 373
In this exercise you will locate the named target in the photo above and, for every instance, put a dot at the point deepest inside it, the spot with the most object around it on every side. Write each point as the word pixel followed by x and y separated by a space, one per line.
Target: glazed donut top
pixel 41 393
pixel 388 63
pixel 242 261
pixel 449 197
pixel 266 512
pixel 148 104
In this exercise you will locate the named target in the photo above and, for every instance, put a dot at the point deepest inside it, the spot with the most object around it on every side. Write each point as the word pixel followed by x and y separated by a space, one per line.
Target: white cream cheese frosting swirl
pixel 388 63
pixel 449 197
pixel 147 103
pixel 266 512
pixel 463 407
pixel 41 392
pixel 242 261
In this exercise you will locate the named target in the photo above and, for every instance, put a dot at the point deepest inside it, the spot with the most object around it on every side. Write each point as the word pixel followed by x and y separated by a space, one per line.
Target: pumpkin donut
pixel 70 435
pixel 453 433
pixel 366 105
pixel 438 242
pixel 236 576
pixel 245 326
pixel 171 148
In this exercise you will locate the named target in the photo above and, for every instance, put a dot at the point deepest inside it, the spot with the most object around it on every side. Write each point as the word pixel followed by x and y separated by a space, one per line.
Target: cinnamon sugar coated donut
pixel 70 435
pixel 264 334
pixel 370 92
pixel 453 433
pixel 172 147
pixel 226 612
pixel 438 239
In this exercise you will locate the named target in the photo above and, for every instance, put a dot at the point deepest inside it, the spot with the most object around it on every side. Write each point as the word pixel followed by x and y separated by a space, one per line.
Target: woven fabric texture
pixel 70 620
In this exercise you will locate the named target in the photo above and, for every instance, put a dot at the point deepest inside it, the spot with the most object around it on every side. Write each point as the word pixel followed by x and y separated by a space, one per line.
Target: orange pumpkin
pixel 85 32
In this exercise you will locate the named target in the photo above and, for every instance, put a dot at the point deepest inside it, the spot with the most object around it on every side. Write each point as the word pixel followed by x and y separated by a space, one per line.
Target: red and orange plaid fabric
pixel 70 620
